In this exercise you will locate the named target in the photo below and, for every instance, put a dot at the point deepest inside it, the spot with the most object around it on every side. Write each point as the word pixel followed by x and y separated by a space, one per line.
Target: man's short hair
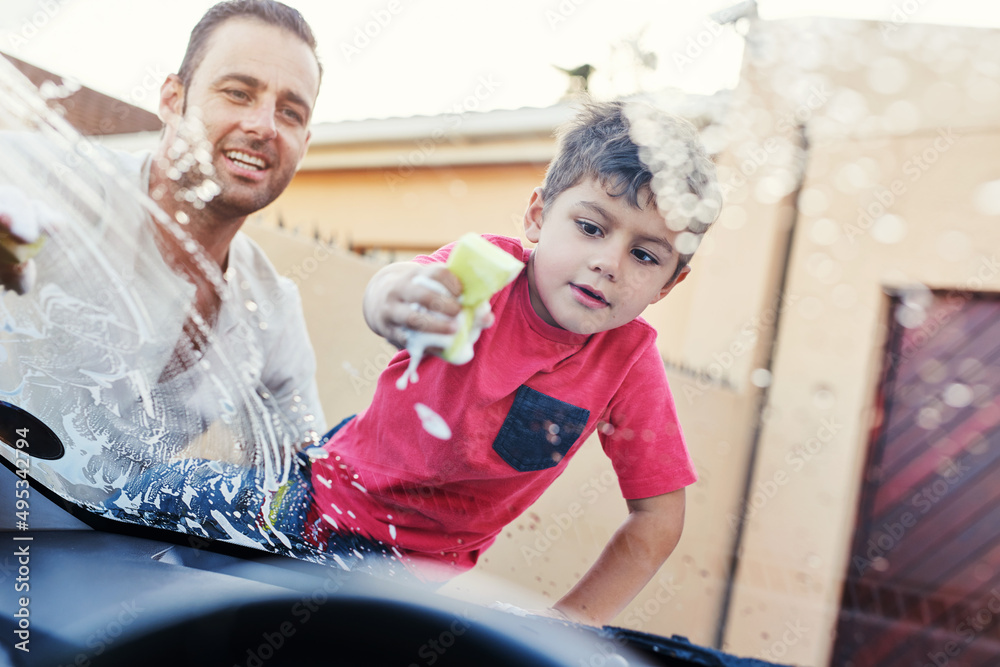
pixel 269 11
pixel 643 154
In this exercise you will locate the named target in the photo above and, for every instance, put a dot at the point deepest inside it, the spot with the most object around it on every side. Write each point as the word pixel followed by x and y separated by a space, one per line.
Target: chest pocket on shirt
pixel 538 430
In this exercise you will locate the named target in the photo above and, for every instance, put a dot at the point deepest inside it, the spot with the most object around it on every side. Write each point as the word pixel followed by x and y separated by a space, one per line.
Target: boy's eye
pixel 644 257
pixel 588 228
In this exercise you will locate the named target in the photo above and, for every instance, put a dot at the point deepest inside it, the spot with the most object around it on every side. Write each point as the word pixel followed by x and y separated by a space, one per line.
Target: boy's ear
pixel 673 283
pixel 533 216
pixel 171 100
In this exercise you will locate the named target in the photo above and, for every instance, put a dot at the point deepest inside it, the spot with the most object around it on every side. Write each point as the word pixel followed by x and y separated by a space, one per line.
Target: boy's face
pixel 598 262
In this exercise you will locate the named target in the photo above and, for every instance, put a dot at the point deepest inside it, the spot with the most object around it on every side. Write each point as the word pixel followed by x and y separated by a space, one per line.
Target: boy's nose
pixel 606 263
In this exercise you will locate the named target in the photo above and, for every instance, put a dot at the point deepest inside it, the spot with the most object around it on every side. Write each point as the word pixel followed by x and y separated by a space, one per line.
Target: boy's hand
pixel 412 297
pixel 630 559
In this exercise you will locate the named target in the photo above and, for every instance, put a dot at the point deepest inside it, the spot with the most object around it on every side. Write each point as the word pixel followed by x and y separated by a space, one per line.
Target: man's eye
pixel 293 115
pixel 238 95
pixel 644 257
pixel 588 228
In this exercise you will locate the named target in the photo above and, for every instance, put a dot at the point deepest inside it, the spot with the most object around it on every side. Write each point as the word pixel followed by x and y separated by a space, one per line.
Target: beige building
pixel 862 191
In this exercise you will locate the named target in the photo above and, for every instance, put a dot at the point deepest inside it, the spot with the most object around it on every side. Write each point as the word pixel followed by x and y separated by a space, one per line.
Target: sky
pixel 397 58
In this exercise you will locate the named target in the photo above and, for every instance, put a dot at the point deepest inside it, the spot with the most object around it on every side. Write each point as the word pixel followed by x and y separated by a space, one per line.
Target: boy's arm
pixel 395 300
pixel 630 559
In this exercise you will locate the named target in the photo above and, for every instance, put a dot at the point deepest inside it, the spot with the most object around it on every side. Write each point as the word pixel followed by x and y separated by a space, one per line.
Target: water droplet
pixel 928 419
pixel 901 117
pixel 932 371
pixel 824 231
pixel 852 178
pixel 760 377
pixel 889 229
pixel 813 201
pixel 432 422
pixel 917 296
pixel 824 268
pixel 910 316
pixel 957 395
pixel 687 243
pixel 811 308
pixel 880 564
pixel 823 398
pixel 987 198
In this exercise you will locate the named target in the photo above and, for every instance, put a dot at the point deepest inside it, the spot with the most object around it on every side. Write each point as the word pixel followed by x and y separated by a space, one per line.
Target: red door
pixel 923 582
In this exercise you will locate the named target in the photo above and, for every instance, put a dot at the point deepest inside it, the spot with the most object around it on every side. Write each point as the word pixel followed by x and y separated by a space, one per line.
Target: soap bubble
pixel 957 395
pixel 986 198
pixel 824 231
pixel 760 377
pixel 888 75
pixel 889 229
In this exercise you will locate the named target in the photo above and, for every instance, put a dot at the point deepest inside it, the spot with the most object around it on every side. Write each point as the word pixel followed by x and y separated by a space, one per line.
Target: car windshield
pixel 155 402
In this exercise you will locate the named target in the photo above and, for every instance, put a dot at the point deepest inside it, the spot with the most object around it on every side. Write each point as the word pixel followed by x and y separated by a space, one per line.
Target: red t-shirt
pixel 517 414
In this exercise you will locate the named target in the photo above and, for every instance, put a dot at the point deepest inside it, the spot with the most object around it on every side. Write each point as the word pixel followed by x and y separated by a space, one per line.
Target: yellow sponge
pixel 483 269
pixel 13 252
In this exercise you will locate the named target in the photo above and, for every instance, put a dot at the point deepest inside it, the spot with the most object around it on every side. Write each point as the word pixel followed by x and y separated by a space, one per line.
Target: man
pixel 236 126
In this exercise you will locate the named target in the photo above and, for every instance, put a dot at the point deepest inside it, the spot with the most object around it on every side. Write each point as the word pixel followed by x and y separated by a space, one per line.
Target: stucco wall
pixel 898 154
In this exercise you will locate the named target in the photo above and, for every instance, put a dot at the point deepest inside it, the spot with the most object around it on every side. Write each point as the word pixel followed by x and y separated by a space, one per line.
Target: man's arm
pixel 631 558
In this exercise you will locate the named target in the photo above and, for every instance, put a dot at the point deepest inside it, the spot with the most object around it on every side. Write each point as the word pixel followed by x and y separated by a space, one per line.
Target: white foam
pixel 432 422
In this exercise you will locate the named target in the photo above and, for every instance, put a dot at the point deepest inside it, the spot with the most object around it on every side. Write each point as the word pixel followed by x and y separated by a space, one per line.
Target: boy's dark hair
pixel 643 154
pixel 269 11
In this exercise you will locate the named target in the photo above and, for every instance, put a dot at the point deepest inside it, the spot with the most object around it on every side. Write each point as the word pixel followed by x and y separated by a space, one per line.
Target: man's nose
pixel 259 120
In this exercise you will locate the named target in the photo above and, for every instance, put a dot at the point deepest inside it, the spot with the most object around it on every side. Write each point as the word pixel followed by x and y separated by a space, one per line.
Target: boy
pixel 567 355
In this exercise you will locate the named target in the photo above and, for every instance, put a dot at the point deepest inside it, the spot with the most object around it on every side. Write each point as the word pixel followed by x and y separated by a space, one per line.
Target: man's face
pixel 253 92
pixel 599 261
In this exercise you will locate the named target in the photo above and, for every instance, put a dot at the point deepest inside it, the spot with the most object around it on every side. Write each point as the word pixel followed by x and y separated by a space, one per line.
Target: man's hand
pixel 21 222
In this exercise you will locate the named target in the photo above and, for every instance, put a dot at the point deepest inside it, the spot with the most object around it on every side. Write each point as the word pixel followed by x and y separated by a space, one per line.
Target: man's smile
pixel 246 161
